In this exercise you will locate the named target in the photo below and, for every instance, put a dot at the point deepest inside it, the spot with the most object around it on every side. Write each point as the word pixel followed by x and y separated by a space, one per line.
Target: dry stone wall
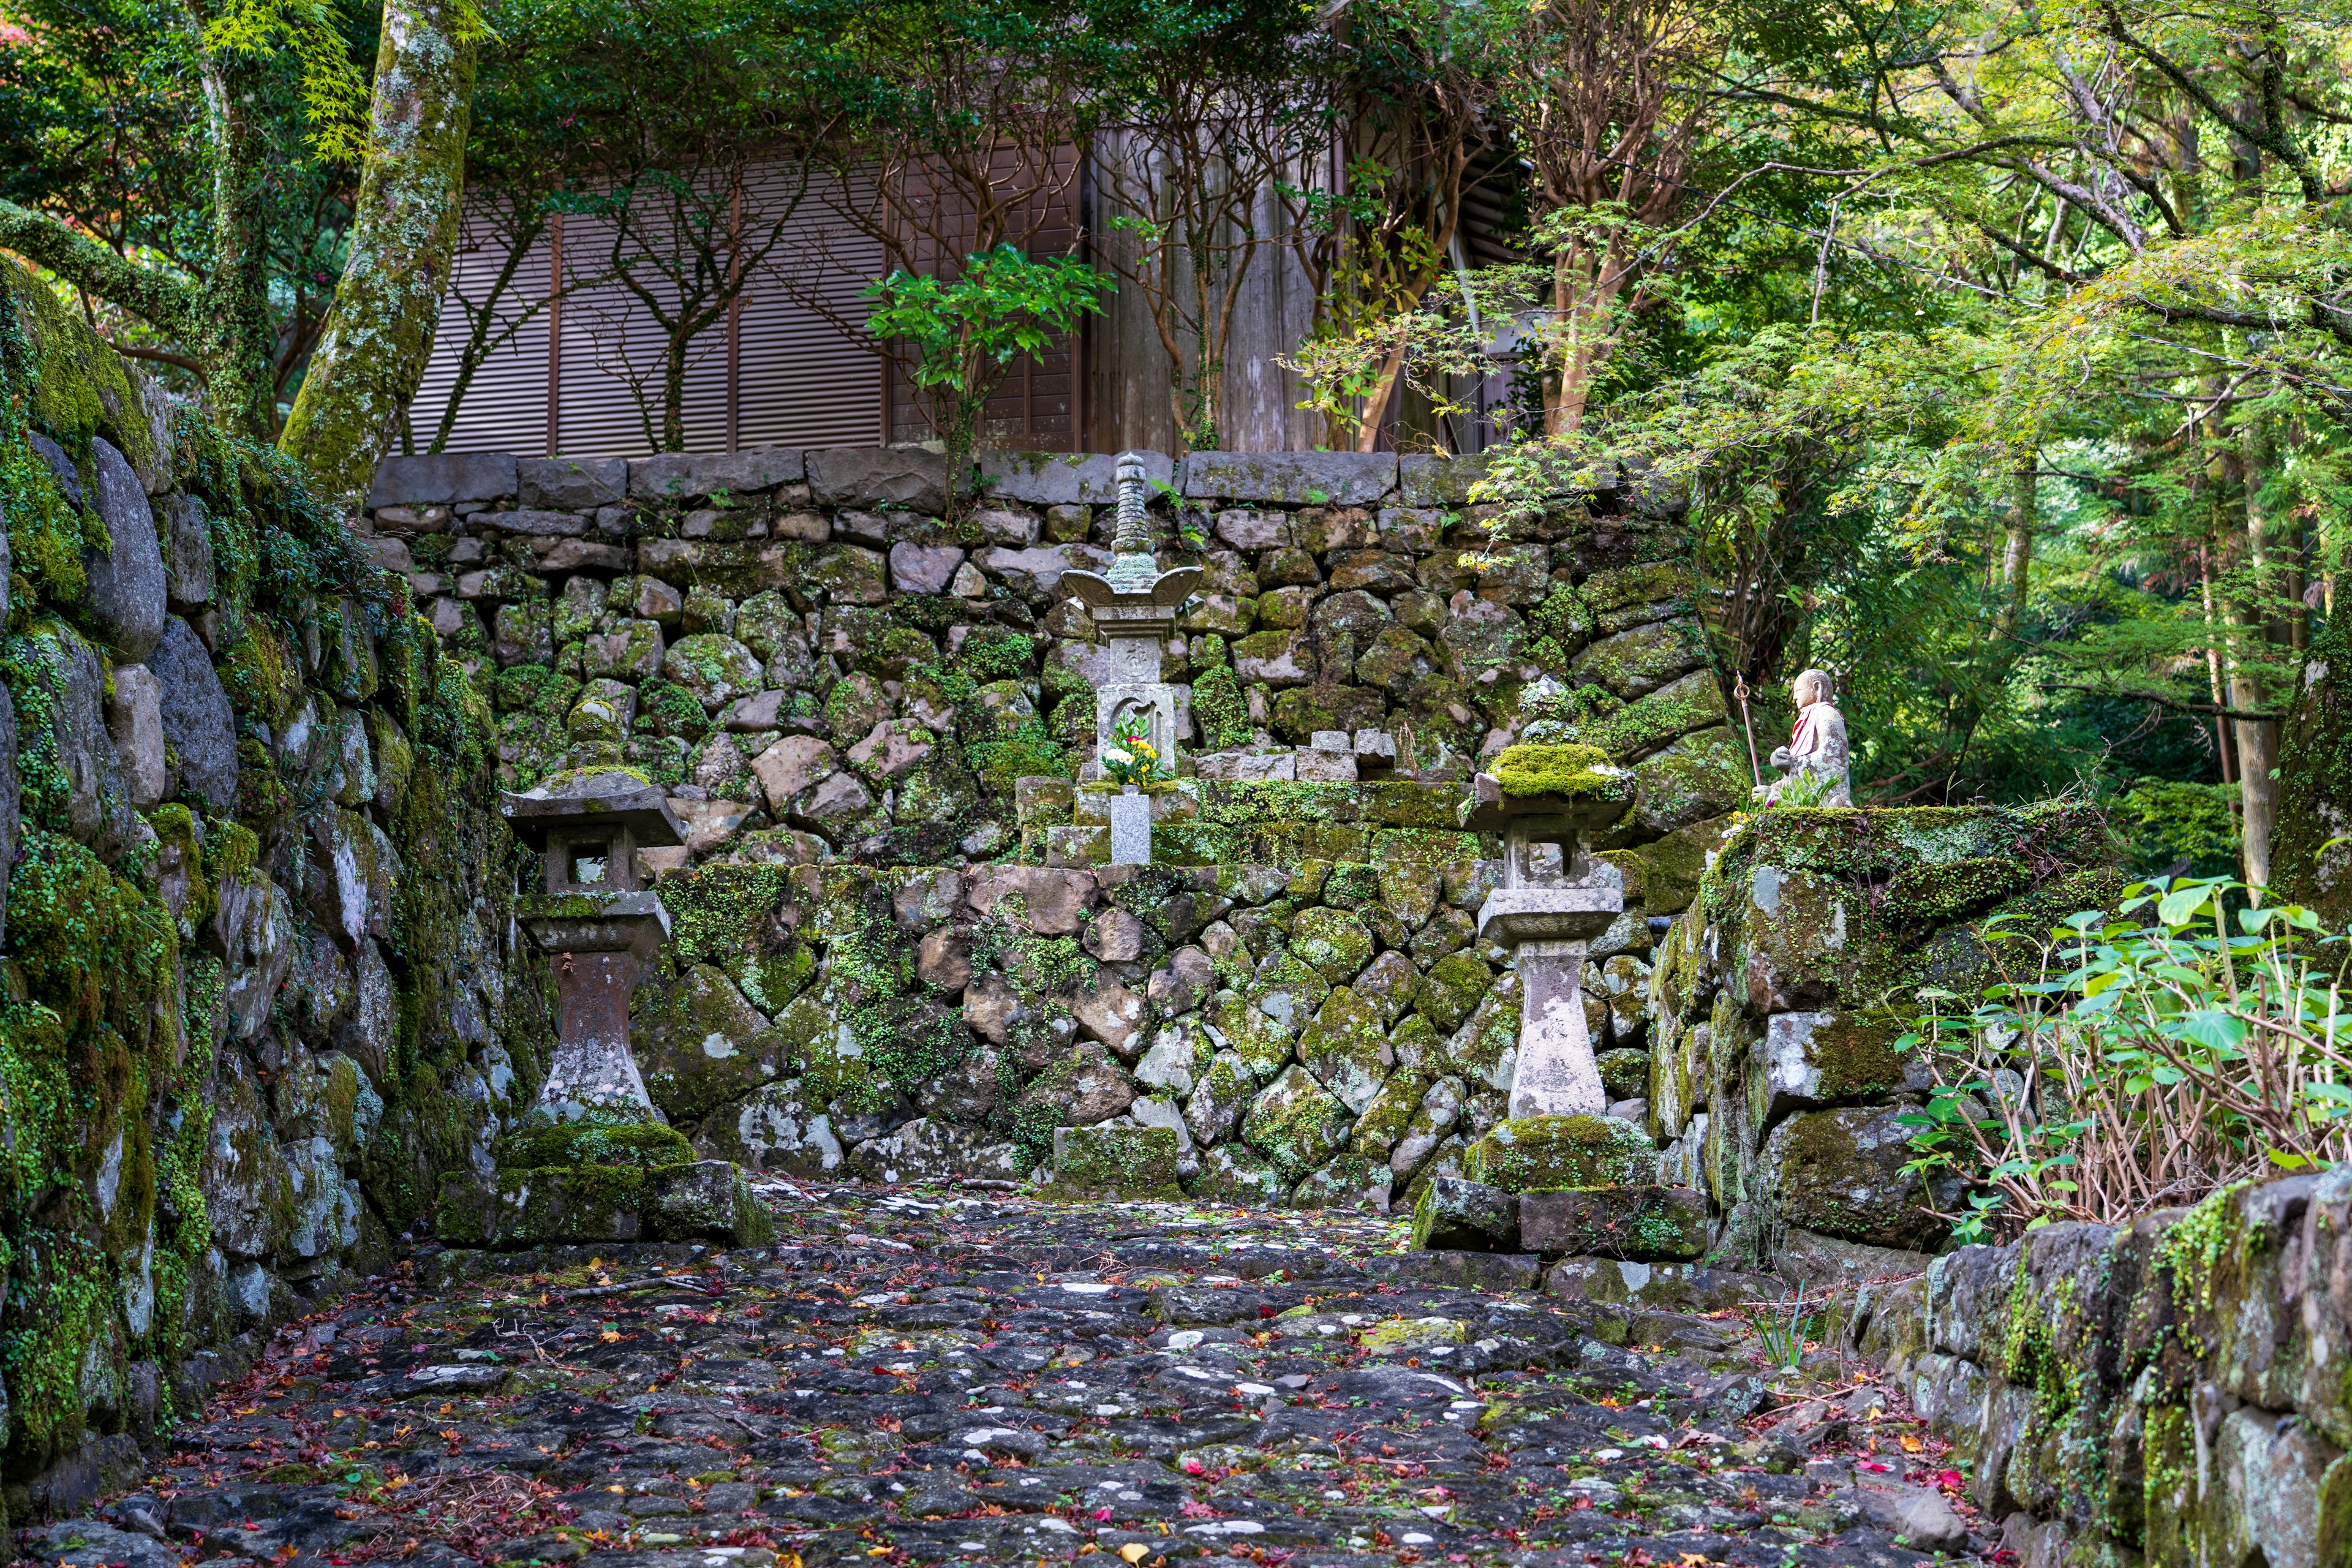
pixel 2171 1391
pixel 258 988
pixel 893 954
pixel 1776 1081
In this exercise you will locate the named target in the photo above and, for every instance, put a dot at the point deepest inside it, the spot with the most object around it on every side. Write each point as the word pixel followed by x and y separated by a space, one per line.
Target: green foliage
pixel 2179 826
pixel 963 334
pixel 2136 1063
pixel 334 92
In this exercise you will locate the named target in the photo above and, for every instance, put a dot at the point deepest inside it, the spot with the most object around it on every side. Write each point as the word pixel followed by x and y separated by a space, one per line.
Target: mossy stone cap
pixel 1583 772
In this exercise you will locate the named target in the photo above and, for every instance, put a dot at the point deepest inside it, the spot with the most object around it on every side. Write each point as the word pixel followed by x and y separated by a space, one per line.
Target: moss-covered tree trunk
pixel 404 243
pixel 2314 792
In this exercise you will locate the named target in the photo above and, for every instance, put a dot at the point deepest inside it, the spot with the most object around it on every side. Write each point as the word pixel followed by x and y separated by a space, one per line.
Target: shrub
pixel 2133 1063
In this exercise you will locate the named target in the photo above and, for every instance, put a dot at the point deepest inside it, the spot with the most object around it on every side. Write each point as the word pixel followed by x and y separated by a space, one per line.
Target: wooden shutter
pixel 504 405
pixel 773 372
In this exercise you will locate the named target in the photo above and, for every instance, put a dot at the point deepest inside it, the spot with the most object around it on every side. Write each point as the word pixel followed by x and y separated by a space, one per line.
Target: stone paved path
pixel 977 1377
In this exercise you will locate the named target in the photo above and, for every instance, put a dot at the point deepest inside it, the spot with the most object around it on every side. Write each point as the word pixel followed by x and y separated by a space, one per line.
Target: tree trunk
pixel 403 242
pixel 2017 549
pixel 2311 862
pixel 239 338
pixel 2258 739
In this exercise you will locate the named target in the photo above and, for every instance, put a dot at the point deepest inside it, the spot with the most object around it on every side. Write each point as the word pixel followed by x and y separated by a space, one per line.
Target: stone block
pixel 1637 662
pixel 571 484
pixel 923 568
pixel 1679 1287
pixel 1062 478
pixel 1841 1172
pixel 1458 1215
pixel 927 1149
pixel 1530 1152
pixel 533 524
pixel 1698 778
pixel 1806 1060
pixel 1642 1224
pixel 1116 1160
pixel 1295 479
pixel 1429 479
pixel 697 1201
pixel 443 478
pixel 697 476
pixel 897 477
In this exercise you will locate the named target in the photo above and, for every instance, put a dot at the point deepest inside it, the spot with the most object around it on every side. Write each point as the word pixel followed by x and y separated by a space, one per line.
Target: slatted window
pixel 578 363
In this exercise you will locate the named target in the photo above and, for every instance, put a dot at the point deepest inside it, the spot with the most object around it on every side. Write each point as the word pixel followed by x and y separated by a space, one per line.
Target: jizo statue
pixel 1816 751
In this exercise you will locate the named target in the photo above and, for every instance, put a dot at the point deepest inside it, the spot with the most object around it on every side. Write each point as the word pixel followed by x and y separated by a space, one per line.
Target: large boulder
pixel 1641 1224
pixel 135 718
pixel 199 725
pixel 701 1044
pixel 69 764
pixel 926 1150
pixel 1456 1215
pixel 1116 1160
pixel 123 601
pixel 1842 1174
pixel 1296 1123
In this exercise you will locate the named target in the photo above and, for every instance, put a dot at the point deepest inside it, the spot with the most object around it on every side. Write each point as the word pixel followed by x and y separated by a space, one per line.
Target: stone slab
pixel 1298 479
pixel 443 478
pixel 1063 479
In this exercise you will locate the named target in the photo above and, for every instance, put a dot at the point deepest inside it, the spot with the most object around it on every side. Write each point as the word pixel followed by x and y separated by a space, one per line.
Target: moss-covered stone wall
pixel 798 647
pixel 2172 1392
pixel 895 952
pixel 1776 1002
pixel 255 984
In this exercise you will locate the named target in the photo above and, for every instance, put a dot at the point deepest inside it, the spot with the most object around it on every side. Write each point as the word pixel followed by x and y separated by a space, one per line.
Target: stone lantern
pixel 1134 607
pixel 1545 801
pixel 598 924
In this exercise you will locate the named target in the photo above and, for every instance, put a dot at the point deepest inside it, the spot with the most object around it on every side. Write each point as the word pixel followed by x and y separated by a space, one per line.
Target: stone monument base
pixel 589 1182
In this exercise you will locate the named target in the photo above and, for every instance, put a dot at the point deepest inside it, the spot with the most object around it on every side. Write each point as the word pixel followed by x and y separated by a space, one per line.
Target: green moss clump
pixel 1528 1152
pixel 1221 709
pixel 1583 771
pixel 643 1146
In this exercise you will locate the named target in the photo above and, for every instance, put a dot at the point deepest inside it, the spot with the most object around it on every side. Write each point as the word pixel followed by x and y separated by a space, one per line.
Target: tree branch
pixel 165 302
pixel 2201 709
pixel 159 356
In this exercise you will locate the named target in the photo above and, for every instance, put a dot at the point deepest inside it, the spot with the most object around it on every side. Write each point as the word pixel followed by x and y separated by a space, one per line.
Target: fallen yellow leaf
pixel 1911 1445
pixel 1133 1550
pixel 610 1336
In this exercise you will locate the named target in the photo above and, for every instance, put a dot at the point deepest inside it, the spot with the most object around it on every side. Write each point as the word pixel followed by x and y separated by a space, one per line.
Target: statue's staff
pixel 1739 690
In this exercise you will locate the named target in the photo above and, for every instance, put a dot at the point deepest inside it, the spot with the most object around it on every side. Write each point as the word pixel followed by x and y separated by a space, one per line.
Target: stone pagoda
pixel 1135 607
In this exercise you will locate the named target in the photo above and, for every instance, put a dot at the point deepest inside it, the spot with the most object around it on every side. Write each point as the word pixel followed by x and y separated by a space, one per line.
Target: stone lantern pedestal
pixel 1134 605
pixel 1552 904
pixel 594 1162
pixel 1560 1175
pixel 598 925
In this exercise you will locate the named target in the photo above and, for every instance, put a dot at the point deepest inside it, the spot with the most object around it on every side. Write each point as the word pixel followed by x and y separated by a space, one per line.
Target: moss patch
pixel 1528 1152
pixel 1582 773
